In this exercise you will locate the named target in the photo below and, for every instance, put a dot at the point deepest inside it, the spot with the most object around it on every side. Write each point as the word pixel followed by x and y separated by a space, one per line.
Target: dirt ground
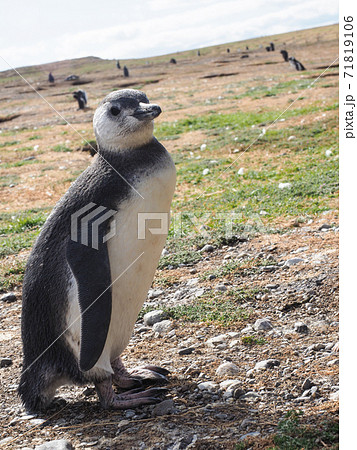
pixel 306 291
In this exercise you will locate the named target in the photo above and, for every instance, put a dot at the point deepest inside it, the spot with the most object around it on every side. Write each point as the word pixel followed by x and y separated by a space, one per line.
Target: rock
pixel 300 327
pixel 153 317
pixel 325 227
pixel 154 293
pixel 291 138
pixel 220 288
pixel 60 444
pixel 186 351
pixel 10 297
pixel 129 413
pixel 241 171
pixel 315 348
pixel 192 281
pixel 262 324
pixel 248 435
pixel 307 384
pixel 203 147
pixel 328 153
pixel 250 395
pixel 246 423
pixel 213 342
pixel 335 396
pixel 164 408
pixel 205 172
pixel 5 362
pixel 227 368
pixel 266 364
pixel 207 248
pixel 165 252
pixel 207 386
pixel 162 327
pixel 293 261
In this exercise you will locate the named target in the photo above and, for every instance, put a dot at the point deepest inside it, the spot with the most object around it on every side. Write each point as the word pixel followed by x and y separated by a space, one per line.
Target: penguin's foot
pixel 130 399
pixel 139 376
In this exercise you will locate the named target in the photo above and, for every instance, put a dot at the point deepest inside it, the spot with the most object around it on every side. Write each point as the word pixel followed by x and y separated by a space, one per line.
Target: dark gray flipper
pixel 91 269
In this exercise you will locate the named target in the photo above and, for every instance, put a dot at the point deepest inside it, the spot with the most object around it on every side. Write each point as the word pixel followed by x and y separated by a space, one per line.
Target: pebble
pixel 162 327
pixel 153 317
pixel 59 444
pixel 154 293
pixel 207 248
pixel 5 362
pixel 291 138
pixel 241 171
pixel 203 147
pixel 307 384
pixel 227 368
pixel 207 386
pixel 164 408
pixel 10 297
pixel 266 364
pixel 301 327
pixel 186 351
pixel 220 288
pixel 262 324
pixel 293 261
pixel 212 342
pixel 192 281
pixel 248 435
pixel 205 172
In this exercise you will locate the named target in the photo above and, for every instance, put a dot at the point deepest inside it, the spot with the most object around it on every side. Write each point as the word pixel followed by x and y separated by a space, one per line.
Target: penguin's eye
pixel 114 110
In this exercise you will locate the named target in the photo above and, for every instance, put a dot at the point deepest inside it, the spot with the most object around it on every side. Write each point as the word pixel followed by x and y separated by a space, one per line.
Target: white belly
pixel 134 252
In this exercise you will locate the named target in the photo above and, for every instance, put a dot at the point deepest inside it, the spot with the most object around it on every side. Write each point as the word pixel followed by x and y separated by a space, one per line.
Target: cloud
pixel 165 27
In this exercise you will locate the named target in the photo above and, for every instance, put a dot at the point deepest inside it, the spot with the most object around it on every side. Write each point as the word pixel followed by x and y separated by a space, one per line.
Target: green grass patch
pixel 11 275
pixel 9 144
pixel 18 231
pixel 221 310
pixel 61 148
pixel 250 341
pixel 293 435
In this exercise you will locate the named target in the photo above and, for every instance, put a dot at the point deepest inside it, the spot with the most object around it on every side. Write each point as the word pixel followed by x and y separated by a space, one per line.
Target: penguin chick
pixel 90 269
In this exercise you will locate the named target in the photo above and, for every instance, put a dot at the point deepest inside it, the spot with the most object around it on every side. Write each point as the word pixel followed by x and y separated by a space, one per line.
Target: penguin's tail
pixel 36 388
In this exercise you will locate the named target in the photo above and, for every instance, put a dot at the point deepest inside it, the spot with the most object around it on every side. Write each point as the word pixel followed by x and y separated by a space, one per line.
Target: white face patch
pixel 123 131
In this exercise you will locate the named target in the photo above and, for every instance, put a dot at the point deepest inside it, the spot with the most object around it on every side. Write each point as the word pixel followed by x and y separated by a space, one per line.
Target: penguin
pixel 81 98
pixel 296 64
pixel 285 55
pixel 93 262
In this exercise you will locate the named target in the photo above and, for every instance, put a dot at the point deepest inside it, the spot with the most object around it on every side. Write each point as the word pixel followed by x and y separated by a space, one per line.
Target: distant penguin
pixel 51 78
pixel 272 46
pixel 296 64
pixel 198 53
pixel 268 48
pixel 84 283
pixel 172 61
pixel 285 55
pixel 246 47
pixel 118 65
pixel 125 71
pixel 81 98
pixel 228 50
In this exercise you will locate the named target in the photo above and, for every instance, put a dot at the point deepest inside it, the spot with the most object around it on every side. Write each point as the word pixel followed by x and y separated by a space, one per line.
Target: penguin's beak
pixel 147 111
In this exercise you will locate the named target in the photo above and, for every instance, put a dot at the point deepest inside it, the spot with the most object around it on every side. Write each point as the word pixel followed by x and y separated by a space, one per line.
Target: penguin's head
pixel 124 120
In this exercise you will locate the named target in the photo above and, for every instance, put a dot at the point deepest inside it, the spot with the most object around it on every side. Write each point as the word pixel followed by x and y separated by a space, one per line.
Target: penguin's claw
pixel 149 375
pixel 139 376
pixel 130 399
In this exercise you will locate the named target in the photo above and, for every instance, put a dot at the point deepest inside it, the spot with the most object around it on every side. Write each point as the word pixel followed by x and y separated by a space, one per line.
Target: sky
pixel 41 31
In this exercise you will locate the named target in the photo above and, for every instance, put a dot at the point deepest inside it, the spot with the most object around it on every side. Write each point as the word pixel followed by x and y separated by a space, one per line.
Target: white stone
pixel 227 368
